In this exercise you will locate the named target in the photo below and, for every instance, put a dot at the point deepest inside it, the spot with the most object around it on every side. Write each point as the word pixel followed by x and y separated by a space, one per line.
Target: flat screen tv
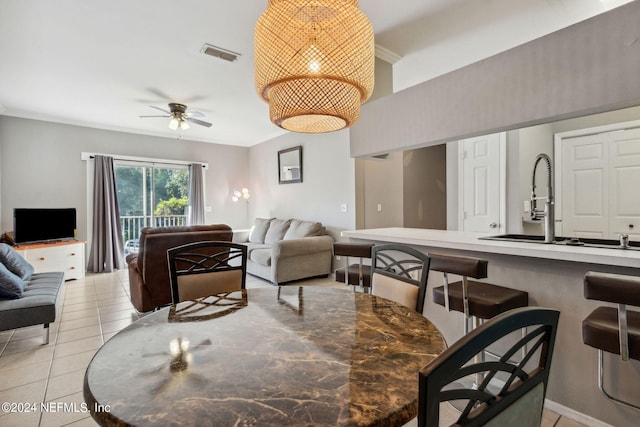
pixel 42 225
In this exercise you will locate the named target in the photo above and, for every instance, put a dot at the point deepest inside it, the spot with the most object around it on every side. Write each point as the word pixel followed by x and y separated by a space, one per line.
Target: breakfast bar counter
pixel 552 274
pixel 475 242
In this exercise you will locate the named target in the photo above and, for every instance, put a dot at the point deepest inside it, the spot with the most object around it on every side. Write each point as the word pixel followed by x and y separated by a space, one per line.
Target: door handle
pixel 493 225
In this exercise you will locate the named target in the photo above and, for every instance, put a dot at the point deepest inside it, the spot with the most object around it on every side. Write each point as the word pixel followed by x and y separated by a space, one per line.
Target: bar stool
pixel 612 329
pixel 478 300
pixel 357 274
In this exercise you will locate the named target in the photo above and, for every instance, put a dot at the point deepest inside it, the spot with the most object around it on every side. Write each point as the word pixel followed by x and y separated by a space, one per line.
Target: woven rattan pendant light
pixel 314 63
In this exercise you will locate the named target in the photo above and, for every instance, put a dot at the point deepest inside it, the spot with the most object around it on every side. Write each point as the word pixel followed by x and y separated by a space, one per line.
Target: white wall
pixel 41 167
pixel 328 181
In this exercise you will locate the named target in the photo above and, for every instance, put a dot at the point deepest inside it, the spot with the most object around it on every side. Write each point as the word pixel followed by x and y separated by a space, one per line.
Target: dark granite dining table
pixel 274 356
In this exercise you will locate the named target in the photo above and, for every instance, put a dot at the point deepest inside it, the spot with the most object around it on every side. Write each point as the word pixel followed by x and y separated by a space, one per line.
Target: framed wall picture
pixel 290 165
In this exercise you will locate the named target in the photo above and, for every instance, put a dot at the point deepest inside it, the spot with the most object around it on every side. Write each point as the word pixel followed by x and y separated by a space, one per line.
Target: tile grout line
pixel 53 353
pixel 46 387
pixel 4 347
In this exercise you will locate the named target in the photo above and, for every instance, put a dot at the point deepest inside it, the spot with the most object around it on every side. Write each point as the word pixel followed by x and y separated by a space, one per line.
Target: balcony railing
pixel 131 225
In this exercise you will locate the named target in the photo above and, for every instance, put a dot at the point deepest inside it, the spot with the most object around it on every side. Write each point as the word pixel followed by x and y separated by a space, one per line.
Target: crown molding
pixel 387 55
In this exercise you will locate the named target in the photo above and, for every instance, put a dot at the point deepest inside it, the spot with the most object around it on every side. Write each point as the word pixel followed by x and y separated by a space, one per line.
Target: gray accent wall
pixel 41 167
pixel 425 188
pixel 382 191
pixel 587 68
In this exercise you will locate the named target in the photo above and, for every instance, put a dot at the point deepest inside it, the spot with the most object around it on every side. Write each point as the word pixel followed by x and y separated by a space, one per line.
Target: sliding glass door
pixel 150 196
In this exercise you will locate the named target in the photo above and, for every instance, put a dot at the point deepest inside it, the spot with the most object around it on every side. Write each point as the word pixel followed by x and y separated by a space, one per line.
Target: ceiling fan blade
pixel 199 122
pixel 195 114
pixel 161 109
pixel 157 92
pixel 144 117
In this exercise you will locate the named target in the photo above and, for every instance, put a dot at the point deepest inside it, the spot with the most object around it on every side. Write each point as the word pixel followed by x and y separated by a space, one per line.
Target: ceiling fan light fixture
pixel 314 63
pixel 179 118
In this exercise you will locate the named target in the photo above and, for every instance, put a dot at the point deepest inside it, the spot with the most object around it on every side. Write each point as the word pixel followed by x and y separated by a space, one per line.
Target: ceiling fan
pixel 179 116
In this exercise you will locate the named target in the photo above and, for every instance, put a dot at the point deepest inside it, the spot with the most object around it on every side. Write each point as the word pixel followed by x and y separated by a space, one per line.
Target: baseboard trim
pixel 573 414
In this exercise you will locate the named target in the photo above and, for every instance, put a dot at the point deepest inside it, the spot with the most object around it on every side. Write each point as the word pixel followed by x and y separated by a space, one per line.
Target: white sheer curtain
pixel 196 194
pixel 107 247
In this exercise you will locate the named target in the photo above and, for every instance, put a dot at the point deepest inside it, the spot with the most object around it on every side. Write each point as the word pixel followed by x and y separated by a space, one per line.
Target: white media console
pixel 65 256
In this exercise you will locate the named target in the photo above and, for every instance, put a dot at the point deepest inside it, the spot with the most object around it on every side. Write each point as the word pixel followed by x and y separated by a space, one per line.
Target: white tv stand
pixel 65 256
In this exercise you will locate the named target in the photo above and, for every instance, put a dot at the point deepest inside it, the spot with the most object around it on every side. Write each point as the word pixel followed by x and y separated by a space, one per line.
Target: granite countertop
pixel 268 356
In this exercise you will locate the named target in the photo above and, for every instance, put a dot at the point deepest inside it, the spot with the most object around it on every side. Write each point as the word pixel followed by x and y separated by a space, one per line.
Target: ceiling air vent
pixel 219 52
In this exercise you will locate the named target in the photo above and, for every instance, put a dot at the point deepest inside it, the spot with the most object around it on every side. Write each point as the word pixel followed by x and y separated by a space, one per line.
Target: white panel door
pixel 600 178
pixel 624 179
pixel 481 186
pixel 584 176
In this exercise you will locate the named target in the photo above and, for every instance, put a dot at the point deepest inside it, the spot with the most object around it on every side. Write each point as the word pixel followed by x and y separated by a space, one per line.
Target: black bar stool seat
pixel 615 330
pixel 354 275
pixel 358 274
pixel 600 330
pixel 485 300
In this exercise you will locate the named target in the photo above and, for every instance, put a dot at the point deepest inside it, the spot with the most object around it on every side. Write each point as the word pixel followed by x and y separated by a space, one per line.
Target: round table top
pixel 268 356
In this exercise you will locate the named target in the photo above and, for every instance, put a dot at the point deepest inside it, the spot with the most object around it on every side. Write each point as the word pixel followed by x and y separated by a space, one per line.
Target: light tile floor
pixel 94 309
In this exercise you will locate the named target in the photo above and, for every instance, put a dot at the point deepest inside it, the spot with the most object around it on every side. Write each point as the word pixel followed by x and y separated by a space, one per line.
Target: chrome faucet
pixel 548 212
pixel 624 241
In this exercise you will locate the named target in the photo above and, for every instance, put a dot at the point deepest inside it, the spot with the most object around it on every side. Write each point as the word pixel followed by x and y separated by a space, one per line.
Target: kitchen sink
pixel 567 241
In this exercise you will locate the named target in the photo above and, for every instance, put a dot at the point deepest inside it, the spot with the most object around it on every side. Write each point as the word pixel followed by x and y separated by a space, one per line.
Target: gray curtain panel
pixel 196 194
pixel 107 247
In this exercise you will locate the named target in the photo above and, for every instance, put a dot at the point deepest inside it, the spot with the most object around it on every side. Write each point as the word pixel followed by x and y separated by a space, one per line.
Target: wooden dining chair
pixel 204 268
pixel 511 393
pixel 400 273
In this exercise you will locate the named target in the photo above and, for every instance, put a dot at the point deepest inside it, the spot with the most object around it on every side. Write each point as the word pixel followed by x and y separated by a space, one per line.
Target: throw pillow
pixel 299 229
pixel 259 230
pixel 15 262
pixel 11 286
pixel 276 231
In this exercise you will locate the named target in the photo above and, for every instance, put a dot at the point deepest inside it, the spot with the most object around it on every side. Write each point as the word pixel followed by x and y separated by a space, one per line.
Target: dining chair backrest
pixel 400 273
pixel 204 268
pixel 511 392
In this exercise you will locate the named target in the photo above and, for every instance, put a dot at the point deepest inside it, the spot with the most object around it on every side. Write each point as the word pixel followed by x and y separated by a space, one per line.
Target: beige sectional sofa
pixel 281 250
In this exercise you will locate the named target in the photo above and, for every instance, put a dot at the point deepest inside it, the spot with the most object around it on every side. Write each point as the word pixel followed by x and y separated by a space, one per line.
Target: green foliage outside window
pixel 173 206
pixel 170 190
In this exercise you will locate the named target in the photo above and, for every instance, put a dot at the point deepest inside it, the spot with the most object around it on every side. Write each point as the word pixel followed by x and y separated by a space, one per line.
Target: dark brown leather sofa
pixel 149 270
